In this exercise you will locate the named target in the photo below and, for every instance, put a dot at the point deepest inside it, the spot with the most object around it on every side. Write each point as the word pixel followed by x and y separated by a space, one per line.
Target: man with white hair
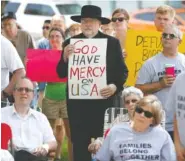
pixel 152 77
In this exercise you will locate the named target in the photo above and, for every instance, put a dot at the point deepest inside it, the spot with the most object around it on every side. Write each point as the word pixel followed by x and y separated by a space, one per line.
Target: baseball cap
pixel 8 15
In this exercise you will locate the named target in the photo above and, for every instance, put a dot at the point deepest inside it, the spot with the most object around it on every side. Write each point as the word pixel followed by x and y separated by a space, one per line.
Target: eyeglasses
pixel 120 19
pixel 169 36
pixel 129 101
pixel 46 27
pixel 26 89
pixel 147 114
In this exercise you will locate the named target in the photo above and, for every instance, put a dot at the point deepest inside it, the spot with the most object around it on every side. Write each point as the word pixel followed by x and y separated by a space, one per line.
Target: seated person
pixel 32 134
pixel 130 97
pixel 141 138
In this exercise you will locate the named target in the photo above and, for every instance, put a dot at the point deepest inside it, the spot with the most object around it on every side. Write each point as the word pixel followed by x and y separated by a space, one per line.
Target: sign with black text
pixel 87 69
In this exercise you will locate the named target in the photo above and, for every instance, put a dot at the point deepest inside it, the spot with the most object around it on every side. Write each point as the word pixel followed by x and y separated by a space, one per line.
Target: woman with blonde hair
pixel 140 139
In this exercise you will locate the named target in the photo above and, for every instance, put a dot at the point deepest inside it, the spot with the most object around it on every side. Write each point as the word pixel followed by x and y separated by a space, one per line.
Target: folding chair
pixel 114 116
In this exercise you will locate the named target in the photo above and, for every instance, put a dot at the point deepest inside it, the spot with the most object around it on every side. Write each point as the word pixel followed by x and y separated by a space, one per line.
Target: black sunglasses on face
pixel 46 27
pixel 169 36
pixel 26 89
pixel 120 19
pixel 129 101
pixel 147 114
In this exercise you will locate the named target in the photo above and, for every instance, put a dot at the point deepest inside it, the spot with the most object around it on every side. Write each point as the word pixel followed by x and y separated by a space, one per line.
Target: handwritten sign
pixel 41 65
pixel 87 69
pixel 140 46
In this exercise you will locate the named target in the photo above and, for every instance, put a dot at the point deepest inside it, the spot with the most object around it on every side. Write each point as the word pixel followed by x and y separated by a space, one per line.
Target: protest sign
pixel 140 46
pixel 87 69
pixel 41 65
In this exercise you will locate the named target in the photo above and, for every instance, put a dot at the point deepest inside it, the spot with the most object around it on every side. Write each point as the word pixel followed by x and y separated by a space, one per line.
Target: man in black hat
pixel 86 117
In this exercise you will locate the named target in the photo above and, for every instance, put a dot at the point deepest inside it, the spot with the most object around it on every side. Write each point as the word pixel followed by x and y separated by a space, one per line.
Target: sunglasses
pixel 120 19
pixel 46 27
pixel 147 114
pixel 26 89
pixel 129 101
pixel 169 36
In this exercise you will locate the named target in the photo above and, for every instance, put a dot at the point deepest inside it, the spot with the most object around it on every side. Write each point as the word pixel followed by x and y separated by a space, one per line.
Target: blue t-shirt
pixel 44 44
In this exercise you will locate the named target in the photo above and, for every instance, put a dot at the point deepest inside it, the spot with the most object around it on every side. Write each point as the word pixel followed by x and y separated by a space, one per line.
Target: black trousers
pixel 80 150
pixel 26 156
pixel 86 118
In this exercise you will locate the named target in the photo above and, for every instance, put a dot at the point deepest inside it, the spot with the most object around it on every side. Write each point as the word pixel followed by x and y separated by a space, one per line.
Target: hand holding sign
pixel 68 50
pixel 108 91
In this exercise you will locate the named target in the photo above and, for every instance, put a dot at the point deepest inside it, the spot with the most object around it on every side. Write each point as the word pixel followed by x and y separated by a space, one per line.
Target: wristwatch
pixel 5 95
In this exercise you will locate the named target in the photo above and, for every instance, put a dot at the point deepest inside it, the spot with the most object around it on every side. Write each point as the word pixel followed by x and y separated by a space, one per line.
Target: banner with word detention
pixel 87 69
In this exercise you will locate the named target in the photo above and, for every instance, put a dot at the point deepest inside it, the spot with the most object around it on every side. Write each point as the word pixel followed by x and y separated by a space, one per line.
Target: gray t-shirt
pixel 123 143
pixel 176 104
pixel 154 69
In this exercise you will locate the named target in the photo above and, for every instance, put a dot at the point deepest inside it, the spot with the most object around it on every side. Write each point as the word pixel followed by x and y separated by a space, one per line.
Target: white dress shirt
pixel 28 132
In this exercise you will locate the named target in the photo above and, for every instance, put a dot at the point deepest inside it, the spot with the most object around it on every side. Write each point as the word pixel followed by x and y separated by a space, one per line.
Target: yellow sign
pixel 140 46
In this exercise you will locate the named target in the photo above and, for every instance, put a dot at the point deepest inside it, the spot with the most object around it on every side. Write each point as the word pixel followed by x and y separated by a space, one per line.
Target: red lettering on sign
pixel 94 89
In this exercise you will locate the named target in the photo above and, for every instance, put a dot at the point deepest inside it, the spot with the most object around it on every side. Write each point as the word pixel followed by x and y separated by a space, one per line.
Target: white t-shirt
pixel 10 61
pixel 154 69
pixel 176 104
pixel 123 143
pixel 5 155
pixel 29 132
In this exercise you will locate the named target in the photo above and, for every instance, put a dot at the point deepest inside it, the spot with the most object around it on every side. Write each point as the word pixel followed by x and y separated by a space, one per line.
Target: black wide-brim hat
pixel 90 11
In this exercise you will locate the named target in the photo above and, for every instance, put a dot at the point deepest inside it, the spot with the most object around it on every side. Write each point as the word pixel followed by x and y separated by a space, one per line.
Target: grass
pixel 64 152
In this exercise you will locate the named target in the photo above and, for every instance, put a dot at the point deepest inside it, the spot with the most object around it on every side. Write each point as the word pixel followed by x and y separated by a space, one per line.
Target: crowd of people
pixel 157 95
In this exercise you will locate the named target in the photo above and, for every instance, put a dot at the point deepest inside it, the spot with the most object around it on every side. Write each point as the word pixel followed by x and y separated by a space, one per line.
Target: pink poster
pixel 41 65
